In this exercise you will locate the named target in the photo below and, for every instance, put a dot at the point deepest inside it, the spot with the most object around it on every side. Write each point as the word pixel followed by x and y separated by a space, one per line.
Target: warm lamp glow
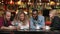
pixel 29 0
pixel 25 12
pixel 29 3
pixel 40 0
pixel 11 2
pixel 16 11
pixel 19 2
pixel 40 3
pixel 47 3
pixel 2 1
pixel 57 3
pixel 52 3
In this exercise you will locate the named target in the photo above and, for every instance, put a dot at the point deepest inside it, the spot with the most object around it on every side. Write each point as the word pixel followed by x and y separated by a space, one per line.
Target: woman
pixel 21 21
pixel 55 19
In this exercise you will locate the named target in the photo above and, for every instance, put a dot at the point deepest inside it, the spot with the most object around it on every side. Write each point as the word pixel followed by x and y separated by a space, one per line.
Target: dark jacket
pixel 55 23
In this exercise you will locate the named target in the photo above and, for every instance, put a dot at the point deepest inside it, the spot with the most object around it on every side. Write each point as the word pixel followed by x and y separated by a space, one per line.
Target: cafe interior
pixel 43 7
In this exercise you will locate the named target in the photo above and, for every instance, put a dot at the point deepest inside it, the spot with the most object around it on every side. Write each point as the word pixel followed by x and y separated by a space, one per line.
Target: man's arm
pixel 31 24
pixel 42 22
pixel 1 24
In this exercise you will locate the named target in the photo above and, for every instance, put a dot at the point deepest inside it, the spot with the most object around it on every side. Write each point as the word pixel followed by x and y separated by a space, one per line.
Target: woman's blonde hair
pixel 17 17
pixel 58 13
pixel 53 12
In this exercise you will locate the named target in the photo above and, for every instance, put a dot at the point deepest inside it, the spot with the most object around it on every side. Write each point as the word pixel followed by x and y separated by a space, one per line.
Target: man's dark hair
pixel 34 10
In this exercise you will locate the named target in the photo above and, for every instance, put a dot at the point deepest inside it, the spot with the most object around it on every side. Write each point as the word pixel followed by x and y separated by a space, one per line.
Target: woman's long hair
pixel 17 17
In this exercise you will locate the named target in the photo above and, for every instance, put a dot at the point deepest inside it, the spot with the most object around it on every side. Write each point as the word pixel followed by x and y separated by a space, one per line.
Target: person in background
pixel 12 16
pixel 55 20
pixel 21 21
pixel 36 21
pixel 5 22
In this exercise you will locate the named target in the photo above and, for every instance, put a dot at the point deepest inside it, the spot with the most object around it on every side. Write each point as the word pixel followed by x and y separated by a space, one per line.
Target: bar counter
pixel 30 32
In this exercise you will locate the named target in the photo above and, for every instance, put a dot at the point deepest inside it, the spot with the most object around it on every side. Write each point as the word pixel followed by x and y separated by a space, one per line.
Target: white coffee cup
pixel 47 28
pixel 37 27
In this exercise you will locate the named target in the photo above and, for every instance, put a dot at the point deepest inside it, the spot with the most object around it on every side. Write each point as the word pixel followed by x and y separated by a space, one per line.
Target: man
pixel 36 21
pixel 5 22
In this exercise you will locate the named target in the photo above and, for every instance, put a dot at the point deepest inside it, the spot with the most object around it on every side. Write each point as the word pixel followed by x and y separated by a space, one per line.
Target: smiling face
pixel 52 13
pixel 22 17
pixel 8 16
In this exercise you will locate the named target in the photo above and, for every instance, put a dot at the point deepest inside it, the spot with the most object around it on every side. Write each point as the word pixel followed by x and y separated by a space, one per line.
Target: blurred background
pixel 43 7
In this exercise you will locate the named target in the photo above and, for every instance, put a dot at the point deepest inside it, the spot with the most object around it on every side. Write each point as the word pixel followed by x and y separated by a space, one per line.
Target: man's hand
pixel 12 27
pixel 8 28
pixel 3 27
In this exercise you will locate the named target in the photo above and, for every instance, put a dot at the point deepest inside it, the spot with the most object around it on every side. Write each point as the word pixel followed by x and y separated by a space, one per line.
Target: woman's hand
pixel 18 28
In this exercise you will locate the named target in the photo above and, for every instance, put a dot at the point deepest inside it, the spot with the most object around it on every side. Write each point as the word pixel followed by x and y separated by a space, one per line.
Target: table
pixel 30 32
pixel 37 32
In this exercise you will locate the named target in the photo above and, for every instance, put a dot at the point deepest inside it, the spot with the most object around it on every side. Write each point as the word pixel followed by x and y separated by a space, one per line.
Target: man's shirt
pixel 40 22
pixel 2 22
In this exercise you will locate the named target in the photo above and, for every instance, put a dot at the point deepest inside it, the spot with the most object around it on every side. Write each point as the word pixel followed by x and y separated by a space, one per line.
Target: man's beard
pixel 36 18
pixel 8 19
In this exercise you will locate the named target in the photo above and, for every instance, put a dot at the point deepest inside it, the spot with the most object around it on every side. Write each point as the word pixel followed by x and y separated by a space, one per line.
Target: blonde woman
pixel 52 13
pixel 21 21
pixel 55 25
